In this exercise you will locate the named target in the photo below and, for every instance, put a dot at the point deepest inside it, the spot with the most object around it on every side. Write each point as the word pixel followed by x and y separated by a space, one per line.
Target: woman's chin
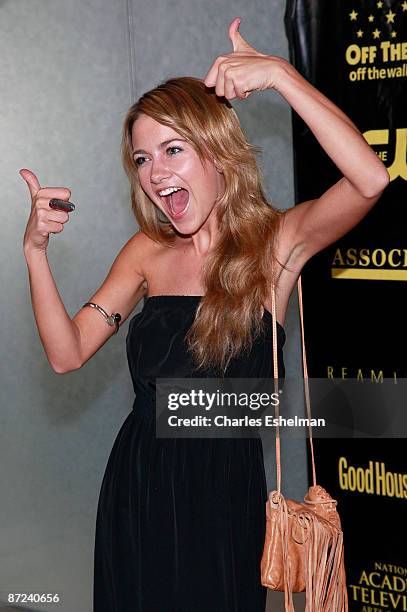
pixel 186 228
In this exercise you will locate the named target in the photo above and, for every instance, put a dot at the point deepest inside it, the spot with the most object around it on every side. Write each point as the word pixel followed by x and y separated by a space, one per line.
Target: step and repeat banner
pixel 355 291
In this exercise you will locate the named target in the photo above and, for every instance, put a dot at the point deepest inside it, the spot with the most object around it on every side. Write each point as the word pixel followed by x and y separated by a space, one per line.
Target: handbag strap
pixel 306 384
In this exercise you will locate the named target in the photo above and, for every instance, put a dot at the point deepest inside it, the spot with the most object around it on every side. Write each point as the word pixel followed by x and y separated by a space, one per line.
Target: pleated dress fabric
pixel 180 523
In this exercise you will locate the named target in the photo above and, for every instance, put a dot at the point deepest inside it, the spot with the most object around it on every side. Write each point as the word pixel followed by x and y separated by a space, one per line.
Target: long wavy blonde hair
pixel 238 273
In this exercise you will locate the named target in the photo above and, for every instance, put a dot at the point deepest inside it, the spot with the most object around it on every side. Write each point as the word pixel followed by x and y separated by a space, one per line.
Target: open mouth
pixel 176 200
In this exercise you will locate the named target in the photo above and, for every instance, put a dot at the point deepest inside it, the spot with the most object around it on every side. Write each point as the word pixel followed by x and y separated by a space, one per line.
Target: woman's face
pixel 173 177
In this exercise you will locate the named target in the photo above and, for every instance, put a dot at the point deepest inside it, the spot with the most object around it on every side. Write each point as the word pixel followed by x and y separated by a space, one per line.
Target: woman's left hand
pixel 238 74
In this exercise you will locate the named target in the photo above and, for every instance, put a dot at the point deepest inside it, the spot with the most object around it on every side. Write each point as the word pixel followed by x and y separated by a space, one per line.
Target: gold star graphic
pixel 353 15
pixel 376 33
pixel 393 34
pixel 371 17
pixel 359 33
pixel 390 16
pixel 379 4
pixel 404 6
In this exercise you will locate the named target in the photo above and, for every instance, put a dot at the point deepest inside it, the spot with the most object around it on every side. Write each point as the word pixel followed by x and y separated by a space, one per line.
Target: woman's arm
pixel 59 336
pixel 312 225
pixel 335 132
pixel 69 343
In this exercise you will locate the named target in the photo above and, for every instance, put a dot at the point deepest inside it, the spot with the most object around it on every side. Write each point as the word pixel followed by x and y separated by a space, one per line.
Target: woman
pixel 180 523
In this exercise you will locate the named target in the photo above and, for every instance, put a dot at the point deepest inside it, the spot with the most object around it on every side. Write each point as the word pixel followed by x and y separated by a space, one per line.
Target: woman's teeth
pixel 169 190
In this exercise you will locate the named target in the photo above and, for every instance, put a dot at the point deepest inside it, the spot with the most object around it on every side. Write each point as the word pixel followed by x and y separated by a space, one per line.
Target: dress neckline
pixel 176 295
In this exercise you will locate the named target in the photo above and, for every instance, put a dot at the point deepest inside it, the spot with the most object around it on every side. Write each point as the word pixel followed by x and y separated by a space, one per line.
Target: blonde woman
pixel 180 522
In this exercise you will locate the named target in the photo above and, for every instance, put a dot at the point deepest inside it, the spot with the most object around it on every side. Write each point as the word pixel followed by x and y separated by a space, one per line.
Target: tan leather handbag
pixel 303 549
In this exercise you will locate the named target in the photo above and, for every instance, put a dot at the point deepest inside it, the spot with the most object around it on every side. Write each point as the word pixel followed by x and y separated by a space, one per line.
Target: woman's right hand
pixel 43 219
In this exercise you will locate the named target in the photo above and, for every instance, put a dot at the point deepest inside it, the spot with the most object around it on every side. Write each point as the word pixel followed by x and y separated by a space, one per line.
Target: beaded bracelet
pixel 113 319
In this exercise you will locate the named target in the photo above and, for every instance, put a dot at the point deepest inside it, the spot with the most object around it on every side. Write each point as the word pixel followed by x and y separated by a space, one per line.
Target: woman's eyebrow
pixel 163 144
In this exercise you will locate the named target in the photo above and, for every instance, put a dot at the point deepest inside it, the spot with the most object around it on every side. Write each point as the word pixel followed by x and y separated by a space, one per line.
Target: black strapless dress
pixel 180 522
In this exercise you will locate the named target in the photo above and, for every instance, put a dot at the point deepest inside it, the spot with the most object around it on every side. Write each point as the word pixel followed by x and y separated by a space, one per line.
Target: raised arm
pixel 312 225
pixel 69 343
pixel 315 224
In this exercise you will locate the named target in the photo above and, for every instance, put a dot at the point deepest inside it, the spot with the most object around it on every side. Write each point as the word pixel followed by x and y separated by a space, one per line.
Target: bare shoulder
pixel 138 251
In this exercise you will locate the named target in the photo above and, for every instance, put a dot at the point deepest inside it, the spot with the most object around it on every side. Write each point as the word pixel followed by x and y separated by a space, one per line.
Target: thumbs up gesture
pixel 238 74
pixel 43 219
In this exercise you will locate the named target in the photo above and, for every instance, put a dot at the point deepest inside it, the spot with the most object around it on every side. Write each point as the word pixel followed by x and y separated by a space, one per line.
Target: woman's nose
pixel 159 171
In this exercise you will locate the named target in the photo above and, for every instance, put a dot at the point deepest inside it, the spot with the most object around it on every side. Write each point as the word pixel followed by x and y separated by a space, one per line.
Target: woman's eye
pixel 173 150
pixel 139 161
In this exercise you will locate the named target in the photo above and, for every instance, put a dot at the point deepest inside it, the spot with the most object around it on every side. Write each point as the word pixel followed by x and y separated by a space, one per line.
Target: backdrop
pixel 356 55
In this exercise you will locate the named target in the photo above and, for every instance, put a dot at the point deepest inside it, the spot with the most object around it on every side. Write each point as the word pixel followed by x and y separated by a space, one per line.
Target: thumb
pixel 237 40
pixel 31 180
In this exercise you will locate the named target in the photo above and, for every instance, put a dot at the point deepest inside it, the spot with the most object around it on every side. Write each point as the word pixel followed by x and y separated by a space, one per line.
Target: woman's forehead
pixel 147 129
